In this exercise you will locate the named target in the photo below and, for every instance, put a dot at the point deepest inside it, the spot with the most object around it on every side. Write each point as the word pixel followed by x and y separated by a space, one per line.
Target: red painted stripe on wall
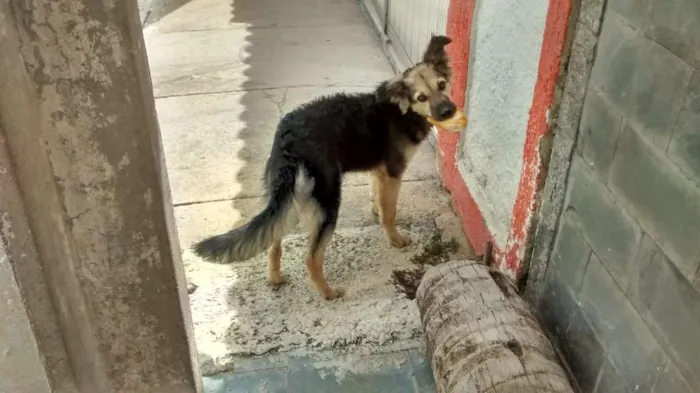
pixel 459 23
pixel 548 72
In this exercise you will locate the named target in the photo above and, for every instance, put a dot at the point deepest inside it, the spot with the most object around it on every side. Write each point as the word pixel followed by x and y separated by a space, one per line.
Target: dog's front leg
pixel 387 188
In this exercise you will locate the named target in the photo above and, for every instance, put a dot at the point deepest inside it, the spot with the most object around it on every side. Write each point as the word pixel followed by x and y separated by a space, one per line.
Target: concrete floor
pixel 223 72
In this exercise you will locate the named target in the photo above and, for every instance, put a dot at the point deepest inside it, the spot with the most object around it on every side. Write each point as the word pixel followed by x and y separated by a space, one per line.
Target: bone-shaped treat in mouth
pixel 456 123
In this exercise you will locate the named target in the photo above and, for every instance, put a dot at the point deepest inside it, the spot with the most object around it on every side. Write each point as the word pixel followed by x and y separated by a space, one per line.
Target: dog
pixel 318 142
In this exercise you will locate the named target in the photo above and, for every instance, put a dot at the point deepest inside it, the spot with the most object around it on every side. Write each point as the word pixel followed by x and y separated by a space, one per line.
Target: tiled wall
pixel 621 292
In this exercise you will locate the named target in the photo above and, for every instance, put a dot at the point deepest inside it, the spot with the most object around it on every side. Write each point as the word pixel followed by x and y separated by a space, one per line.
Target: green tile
pixel 257 363
pixel 268 381
pixel 391 373
pixel 423 371
pixel 309 357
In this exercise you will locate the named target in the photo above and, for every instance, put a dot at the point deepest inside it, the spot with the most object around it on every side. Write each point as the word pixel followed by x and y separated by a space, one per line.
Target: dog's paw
pixel 334 293
pixel 398 240
pixel 276 280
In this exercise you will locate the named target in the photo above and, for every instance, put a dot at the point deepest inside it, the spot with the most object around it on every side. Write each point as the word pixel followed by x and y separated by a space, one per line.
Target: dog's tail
pixel 290 183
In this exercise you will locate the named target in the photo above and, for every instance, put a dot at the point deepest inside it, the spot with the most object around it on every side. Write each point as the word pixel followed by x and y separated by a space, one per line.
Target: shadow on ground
pixel 152 11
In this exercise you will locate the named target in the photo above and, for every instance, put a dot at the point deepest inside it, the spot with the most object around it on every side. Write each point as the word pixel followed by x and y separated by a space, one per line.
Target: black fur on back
pixel 345 133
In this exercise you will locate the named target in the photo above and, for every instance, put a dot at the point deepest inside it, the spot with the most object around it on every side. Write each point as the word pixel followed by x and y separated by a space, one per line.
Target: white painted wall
pixel 411 22
pixel 504 57
pixel 377 10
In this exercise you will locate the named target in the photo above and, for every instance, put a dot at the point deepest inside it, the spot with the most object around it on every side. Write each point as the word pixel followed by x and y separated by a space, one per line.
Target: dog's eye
pixel 422 98
pixel 441 85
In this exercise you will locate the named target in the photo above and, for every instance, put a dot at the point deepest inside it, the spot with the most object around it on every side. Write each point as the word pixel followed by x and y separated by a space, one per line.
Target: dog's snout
pixel 445 110
pixel 447 113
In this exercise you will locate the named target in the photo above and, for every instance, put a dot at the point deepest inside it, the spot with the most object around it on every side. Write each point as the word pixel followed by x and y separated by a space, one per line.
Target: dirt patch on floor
pixel 435 251
pixel 407 281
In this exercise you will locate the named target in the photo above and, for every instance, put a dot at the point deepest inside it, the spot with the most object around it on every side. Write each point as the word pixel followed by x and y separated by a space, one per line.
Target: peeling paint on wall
pixel 506 42
pixel 459 29
pixel 513 66
pixel 538 127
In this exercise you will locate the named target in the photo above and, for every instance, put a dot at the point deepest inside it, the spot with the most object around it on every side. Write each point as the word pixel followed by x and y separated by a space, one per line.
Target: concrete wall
pixel 620 289
pixel 506 42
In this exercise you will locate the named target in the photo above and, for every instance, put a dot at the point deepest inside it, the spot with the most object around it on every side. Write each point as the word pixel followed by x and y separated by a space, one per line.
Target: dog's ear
pixel 436 56
pixel 395 91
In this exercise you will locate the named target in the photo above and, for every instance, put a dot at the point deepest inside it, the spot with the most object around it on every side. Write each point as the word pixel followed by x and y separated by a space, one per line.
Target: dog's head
pixel 424 88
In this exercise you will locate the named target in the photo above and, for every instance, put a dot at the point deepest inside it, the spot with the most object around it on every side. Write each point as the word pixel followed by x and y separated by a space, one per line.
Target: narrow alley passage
pixel 223 73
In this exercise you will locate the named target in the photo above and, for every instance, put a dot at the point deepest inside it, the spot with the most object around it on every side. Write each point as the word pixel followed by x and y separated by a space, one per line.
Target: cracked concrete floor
pixel 223 73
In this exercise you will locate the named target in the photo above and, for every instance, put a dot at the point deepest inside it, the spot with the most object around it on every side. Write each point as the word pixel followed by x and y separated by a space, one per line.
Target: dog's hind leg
pixel 328 200
pixel 387 198
pixel 314 265
pixel 373 195
pixel 274 276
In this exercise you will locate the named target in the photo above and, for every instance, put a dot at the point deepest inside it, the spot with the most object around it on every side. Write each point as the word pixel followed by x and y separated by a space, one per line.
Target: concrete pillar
pixel 85 216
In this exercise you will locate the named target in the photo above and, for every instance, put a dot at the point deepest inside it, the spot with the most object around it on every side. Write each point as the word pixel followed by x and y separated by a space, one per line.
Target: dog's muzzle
pixel 456 122
pixel 444 110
